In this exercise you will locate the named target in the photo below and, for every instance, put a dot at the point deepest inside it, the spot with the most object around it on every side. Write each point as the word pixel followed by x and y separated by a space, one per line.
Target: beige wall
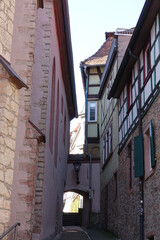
pixel 7 8
pixel 9 103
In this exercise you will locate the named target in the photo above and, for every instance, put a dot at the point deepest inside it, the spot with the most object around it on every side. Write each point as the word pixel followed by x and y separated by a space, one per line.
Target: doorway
pixel 72 209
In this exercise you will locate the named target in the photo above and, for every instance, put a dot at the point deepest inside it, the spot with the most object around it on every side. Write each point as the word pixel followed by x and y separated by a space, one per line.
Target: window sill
pixel 92 121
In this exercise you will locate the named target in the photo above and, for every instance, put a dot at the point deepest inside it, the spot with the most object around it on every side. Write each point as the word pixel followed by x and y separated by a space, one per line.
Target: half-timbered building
pixel 92 70
pixel 136 87
pixel 109 127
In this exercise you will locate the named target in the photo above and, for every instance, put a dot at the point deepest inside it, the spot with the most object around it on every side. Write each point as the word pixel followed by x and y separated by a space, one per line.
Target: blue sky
pixel 89 20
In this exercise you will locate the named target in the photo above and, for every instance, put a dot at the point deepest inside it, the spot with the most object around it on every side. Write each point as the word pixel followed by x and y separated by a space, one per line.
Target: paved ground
pixel 77 233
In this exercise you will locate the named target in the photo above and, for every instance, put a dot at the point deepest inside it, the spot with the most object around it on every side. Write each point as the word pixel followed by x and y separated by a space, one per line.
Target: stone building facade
pixel 37 145
pixel 10 85
pixel 7 9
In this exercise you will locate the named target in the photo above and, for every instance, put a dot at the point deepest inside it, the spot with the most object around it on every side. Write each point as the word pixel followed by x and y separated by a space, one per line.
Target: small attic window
pixel 40 4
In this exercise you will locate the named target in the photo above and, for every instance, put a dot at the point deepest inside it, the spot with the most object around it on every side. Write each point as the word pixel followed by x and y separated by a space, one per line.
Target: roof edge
pixel 16 78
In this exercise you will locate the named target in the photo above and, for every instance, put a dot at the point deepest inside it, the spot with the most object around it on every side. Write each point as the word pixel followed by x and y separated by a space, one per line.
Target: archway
pixel 76 207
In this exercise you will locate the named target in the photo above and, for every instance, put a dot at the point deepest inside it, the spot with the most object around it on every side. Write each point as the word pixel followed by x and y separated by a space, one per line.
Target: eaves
pixel 15 77
pixel 136 44
pixel 108 66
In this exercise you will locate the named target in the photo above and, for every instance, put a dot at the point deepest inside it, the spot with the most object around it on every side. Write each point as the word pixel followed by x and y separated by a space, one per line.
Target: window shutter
pixel 153 162
pixel 139 156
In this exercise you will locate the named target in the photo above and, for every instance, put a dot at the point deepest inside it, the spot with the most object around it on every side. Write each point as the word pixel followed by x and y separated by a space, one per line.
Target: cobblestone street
pixel 77 233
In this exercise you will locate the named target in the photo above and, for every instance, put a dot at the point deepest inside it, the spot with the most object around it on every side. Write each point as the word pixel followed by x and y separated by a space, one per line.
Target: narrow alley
pixel 79 146
pixel 77 233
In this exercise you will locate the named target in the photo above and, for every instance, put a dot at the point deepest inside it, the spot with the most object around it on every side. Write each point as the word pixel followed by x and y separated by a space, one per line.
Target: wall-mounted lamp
pixel 77 165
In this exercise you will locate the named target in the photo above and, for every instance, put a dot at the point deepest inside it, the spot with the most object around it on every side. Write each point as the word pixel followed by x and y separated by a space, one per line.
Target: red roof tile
pixel 100 57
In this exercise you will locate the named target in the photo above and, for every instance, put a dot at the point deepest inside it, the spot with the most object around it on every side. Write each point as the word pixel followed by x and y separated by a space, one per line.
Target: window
pixel 129 96
pixel 149 157
pixel 147 61
pixel 92 111
pixel 40 4
pixel 104 149
pixel 107 144
pixel 151 238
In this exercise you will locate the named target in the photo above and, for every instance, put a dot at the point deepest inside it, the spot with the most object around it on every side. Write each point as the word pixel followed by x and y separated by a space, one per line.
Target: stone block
pixel 10 143
pixel 2 175
pixel 9 176
pixel 7 204
pixel 1 228
pixel 1 202
pixel 5 216
pixel 4 191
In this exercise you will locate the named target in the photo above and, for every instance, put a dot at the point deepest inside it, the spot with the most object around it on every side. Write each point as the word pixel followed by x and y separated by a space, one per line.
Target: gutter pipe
pixel 141 182
pixel 86 114
pixel 90 177
pixel 85 74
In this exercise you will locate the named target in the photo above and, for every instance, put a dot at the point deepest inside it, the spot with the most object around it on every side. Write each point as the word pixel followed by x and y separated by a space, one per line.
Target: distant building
pixel 77 135
pixel 92 70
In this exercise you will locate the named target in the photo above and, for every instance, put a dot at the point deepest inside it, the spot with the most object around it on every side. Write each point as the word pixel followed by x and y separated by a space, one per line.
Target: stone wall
pixel 123 212
pixel 26 151
pixel 7 8
pixel 9 103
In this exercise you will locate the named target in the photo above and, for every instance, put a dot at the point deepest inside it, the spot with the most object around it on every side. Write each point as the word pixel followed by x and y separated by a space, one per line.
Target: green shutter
pixel 153 162
pixel 138 156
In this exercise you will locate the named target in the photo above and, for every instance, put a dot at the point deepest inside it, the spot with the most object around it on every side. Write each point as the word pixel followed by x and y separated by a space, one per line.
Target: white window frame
pixel 89 107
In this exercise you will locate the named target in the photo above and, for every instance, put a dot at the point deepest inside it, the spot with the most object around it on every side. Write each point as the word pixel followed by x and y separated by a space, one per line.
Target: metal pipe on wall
pixel 141 180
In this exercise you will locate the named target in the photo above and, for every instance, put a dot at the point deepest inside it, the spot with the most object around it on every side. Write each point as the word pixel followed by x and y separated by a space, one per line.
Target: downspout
pixel 86 141
pixel 141 180
pixel 90 177
pixel 86 114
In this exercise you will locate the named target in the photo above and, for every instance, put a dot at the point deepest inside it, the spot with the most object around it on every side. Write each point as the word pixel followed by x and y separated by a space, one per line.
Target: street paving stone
pixel 77 233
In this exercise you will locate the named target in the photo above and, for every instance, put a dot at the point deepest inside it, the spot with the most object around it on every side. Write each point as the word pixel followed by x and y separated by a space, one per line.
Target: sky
pixel 89 20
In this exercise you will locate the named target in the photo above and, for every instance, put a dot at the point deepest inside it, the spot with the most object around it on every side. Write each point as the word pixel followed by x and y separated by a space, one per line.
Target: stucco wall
pixel 55 169
pixel 84 182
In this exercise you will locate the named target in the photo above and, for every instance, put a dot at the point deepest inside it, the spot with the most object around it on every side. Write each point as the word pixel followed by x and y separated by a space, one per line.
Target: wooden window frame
pixel 108 143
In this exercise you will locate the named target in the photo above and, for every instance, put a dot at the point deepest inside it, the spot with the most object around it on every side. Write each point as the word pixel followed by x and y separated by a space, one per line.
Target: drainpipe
pixel 86 114
pixel 141 182
pixel 90 177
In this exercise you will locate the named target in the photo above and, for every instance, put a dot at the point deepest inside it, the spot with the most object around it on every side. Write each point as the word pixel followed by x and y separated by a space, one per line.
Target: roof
pixel 16 78
pixel 66 56
pixel 135 46
pixel 100 57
